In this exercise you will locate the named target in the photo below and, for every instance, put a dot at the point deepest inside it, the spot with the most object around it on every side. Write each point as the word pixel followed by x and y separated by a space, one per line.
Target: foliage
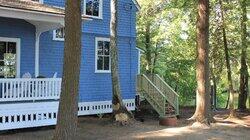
pixel 173 44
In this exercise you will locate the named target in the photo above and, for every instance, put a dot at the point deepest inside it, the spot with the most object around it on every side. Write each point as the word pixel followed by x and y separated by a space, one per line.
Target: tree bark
pixel 156 54
pixel 148 49
pixel 228 65
pixel 214 93
pixel 244 68
pixel 66 128
pixel 202 113
pixel 120 112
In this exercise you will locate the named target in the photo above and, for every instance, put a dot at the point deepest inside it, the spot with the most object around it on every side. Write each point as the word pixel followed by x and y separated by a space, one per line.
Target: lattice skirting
pixel 26 115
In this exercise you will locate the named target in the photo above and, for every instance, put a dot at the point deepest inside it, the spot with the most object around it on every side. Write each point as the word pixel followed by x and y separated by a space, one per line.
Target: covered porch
pixel 19 53
pixel 25 99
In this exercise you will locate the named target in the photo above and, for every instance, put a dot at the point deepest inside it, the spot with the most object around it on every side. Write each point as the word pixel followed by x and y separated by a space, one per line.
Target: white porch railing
pixel 24 89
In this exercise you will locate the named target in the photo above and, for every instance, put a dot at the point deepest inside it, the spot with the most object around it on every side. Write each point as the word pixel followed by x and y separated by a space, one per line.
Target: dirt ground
pixel 146 127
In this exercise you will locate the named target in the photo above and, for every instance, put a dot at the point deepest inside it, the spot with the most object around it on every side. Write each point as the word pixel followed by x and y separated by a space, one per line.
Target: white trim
pixel 37 114
pixel 56 38
pixel 139 62
pixel 136 4
pixel 40 1
pixel 139 59
pixel 139 49
pixel 31 15
pixel 101 107
pixel 100 10
pixel 18 52
pixel 96 45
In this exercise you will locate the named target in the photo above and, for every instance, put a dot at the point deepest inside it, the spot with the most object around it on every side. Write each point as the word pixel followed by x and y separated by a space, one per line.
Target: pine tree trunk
pixel 120 112
pixel 244 69
pixel 202 113
pixel 228 65
pixel 148 49
pixel 66 128
pixel 156 54
pixel 214 93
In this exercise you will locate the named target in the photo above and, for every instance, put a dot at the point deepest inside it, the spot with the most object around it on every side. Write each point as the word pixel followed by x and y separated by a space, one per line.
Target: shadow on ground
pixel 94 128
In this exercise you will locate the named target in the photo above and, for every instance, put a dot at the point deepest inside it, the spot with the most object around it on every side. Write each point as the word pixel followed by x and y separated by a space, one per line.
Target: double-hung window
pixel 93 8
pixel 102 64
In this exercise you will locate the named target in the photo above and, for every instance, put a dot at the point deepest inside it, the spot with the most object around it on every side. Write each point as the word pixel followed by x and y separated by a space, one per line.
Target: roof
pixel 39 7
pixel 31 6
pixel 137 4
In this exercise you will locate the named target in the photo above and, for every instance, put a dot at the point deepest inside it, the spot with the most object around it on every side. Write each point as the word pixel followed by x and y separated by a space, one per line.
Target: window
pixel 59 34
pixel 93 8
pixel 41 1
pixel 102 64
pixel 7 59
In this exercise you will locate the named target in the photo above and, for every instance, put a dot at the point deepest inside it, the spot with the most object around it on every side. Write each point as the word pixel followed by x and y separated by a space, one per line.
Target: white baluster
pixel 22 89
pixel 3 93
pixel 46 89
pixel 53 88
pixel 36 89
pixel 14 89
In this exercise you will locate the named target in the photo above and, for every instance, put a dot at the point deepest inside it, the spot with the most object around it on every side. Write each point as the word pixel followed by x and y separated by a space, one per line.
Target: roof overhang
pixel 31 15
pixel 42 20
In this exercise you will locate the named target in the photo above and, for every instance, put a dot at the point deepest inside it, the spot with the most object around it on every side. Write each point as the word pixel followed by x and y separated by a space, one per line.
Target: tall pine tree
pixel 202 113
pixel 120 112
pixel 66 128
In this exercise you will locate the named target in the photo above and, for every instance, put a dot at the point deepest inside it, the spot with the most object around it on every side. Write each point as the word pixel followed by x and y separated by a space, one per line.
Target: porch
pixel 28 101
pixel 34 102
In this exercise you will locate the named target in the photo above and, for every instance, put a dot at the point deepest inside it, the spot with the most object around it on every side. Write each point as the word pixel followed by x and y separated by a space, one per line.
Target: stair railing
pixel 152 93
pixel 170 94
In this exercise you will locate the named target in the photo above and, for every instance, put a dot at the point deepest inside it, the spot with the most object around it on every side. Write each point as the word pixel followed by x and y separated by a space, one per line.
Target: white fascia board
pixel 31 15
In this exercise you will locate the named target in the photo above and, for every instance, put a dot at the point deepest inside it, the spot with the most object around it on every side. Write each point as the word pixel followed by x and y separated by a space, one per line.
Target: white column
pixel 37 46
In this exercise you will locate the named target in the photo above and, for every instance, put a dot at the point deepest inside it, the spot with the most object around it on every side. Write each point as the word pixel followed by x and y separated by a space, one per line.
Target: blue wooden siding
pixel 127 18
pixel 93 86
pixel 97 86
pixel 15 28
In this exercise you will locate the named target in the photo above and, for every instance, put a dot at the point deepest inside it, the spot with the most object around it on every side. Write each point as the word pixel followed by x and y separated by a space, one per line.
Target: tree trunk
pixel 156 54
pixel 148 49
pixel 202 113
pixel 213 93
pixel 66 128
pixel 244 68
pixel 228 65
pixel 120 112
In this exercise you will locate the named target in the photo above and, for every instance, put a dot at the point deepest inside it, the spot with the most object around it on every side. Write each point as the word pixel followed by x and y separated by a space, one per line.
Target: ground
pixel 146 127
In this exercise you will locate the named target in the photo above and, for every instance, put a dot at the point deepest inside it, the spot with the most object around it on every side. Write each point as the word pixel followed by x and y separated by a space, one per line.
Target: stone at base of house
pixel 168 121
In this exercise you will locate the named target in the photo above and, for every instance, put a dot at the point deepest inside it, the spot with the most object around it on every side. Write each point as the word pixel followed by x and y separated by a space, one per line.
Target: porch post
pixel 37 53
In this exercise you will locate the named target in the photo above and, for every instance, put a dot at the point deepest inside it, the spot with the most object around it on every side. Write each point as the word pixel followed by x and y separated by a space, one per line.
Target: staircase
pixel 159 94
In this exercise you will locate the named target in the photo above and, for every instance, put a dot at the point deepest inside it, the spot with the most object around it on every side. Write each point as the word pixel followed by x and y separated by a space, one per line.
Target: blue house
pixel 31 59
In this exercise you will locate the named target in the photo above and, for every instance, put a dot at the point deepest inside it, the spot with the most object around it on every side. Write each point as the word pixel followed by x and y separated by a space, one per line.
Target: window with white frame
pixel 41 1
pixel 93 8
pixel 103 61
pixel 7 59
pixel 59 34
